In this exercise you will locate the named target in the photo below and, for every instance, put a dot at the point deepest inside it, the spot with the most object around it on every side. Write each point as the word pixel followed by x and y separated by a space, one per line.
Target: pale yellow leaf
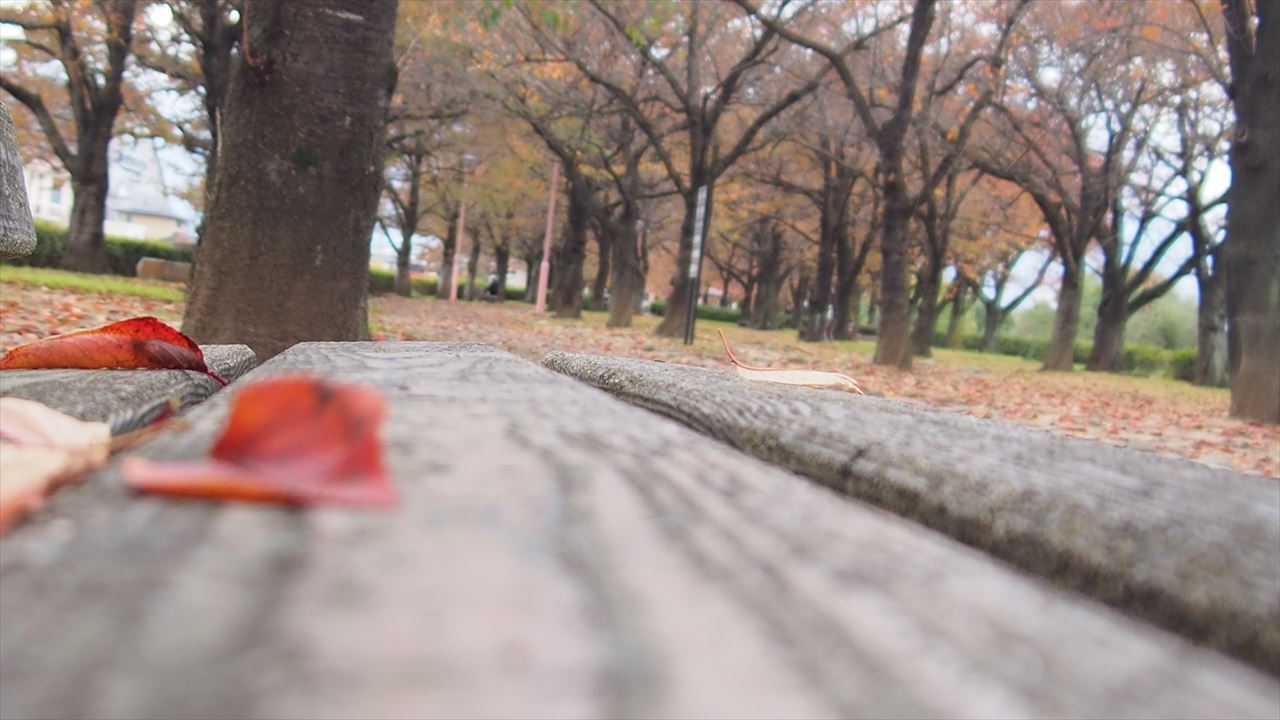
pixel 807 378
pixel 41 448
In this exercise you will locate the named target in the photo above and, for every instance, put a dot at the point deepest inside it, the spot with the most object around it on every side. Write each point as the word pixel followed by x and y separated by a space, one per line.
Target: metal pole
pixel 545 268
pixel 695 266
pixel 457 245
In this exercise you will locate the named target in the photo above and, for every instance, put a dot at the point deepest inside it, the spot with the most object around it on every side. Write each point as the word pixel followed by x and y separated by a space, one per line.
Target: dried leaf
pixel 138 343
pixel 293 440
pixel 40 449
pixel 807 378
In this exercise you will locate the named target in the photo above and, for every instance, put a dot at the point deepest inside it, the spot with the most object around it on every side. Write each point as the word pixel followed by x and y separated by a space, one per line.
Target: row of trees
pixel 903 157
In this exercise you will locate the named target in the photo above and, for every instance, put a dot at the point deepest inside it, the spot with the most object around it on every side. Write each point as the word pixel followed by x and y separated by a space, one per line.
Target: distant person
pixel 491 292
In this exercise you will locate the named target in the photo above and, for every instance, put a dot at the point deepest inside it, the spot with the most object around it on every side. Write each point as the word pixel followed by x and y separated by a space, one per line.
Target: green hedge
pixel 705 312
pixel 1182 363
pixel 122 254
pixel 1138 359
pixel 384 281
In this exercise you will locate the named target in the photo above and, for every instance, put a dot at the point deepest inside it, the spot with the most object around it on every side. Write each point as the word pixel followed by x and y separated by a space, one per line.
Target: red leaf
pixel 290 440
pixel 138 343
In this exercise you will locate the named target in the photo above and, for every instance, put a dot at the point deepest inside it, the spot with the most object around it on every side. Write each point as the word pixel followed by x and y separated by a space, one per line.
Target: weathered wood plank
pixel 557 553
pixel 1191 548
pixel 126 399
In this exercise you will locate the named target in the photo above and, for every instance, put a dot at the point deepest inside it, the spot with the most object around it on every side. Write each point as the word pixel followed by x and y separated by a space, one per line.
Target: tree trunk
pixel 927 311
pixel 448 252
pixel 764 308
pixel 627 283
pixel 473 264
pixel 853 308
pixel 532 268
pixel 673 319
pixel 1252 248
pixel 1062 344
pixel 86 246
pixel 992 318
pixel 955 321
pixel 566 295
pixel 502 261
pixel 814 328
pixel 1211 332
pixel 893 345
pixel 798 293
pixel 404 281
pixel 1107 354
pixel 604 247
pixel 286 251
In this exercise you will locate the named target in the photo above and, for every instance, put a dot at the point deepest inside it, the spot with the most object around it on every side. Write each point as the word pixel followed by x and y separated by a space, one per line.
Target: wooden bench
pixel 557 552
pixel 1191 548
pixel 127 399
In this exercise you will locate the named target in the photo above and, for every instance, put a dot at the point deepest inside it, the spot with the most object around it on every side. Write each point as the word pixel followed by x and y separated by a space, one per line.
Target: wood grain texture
pixel 557 553
pixel 126 399
pixel 1194 549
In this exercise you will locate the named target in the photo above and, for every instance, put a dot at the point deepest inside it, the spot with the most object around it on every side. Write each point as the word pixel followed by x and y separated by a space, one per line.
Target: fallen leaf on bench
pixel 293 440
pixel 807 378
pixel 40 449
pixel 137 343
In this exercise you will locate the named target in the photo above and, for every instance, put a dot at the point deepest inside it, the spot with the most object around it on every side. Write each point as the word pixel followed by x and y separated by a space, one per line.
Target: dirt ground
pixel 1149 414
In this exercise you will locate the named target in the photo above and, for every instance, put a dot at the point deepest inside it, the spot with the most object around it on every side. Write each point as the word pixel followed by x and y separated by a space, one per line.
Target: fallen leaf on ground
pixel 807 378
pixel 294 440
pixel 138 343
pixel 40 449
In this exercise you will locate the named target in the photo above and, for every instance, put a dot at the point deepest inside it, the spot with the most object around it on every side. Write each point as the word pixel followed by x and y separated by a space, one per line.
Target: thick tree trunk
pixel 86 246
pixel 854 311
pixel 1211 332
pixel 955 322
pixel 1252 248
pixel 814 328
pixel 404 281
pixel 604 246
pixel 1107 354
pixel 473 264
pixel 448 253
pixel 673 319
pixel 748 298
pixel 927 310
pixel 502 262
pixel 532 268
pixel 765 312
pixel 893 346
pixel 992 318
pixel 627 283
pixel 566 294
pixel 1062 344
pixel 798 294
pixel 841 322
pixel 286 251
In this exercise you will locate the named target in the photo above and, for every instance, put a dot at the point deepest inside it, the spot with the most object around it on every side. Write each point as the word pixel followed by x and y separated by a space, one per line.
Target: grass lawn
pixel 86 283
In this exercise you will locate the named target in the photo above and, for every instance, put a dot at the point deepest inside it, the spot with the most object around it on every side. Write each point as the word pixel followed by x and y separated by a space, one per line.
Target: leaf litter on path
pixel 1165 418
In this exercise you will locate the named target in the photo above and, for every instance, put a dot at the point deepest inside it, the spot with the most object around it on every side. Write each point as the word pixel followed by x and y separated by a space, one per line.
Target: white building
pixel 140 204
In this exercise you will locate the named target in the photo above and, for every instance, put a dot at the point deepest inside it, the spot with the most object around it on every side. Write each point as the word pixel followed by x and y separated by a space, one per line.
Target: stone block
pixel 156 269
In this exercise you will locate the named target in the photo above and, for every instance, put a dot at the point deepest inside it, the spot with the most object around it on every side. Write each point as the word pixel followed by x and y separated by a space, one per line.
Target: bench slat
pixel 556 553
pixel 126 399
pixel 1194 549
